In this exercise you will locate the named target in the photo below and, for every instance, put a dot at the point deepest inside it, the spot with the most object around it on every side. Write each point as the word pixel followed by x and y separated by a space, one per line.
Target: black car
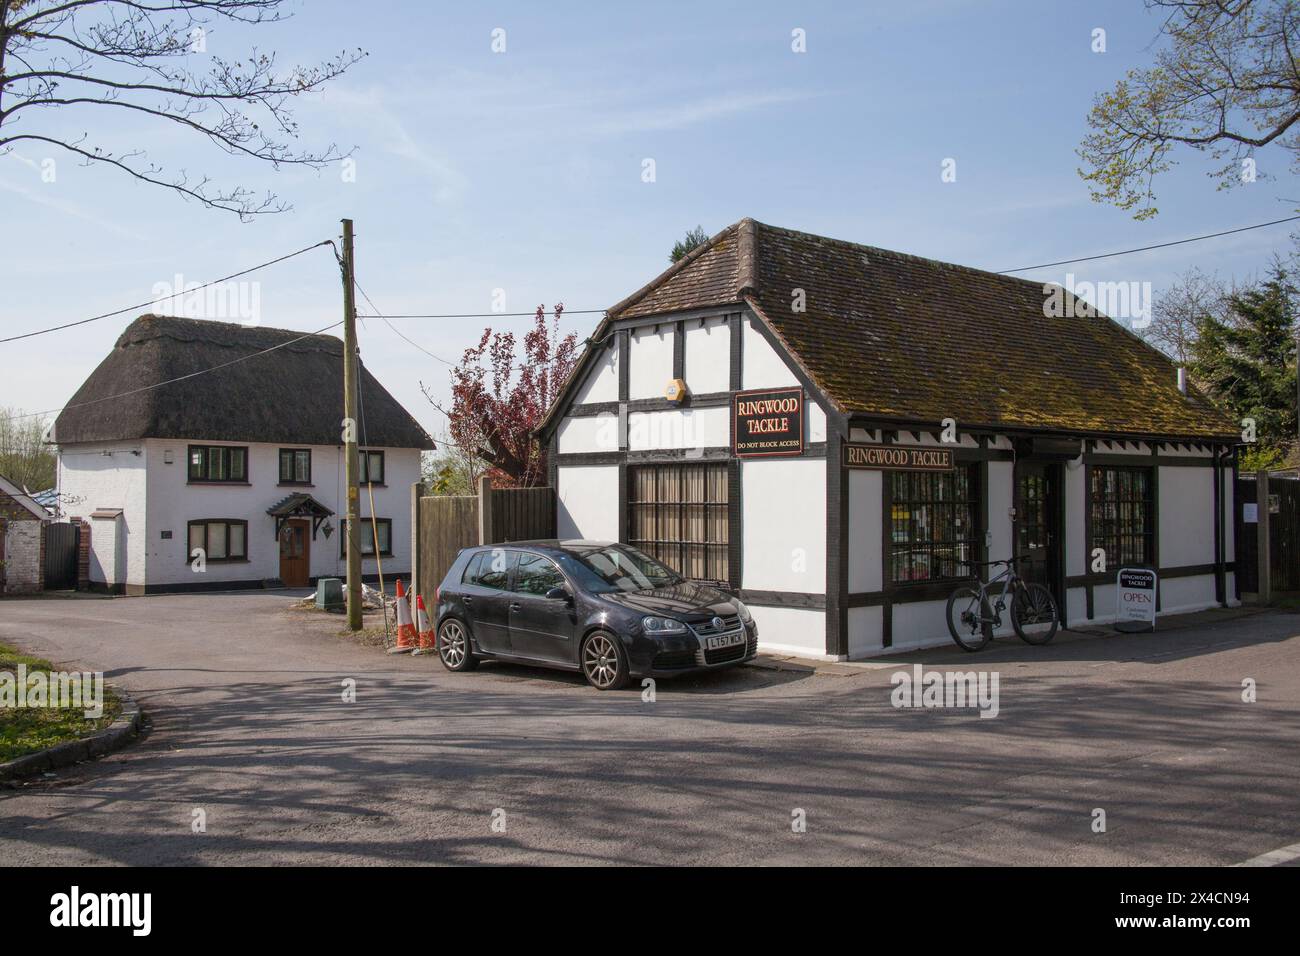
pixel 604 609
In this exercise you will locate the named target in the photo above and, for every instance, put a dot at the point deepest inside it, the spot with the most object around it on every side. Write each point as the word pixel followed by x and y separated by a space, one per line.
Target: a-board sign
pixel 767 423
pixel 1135 597
pixel 898 457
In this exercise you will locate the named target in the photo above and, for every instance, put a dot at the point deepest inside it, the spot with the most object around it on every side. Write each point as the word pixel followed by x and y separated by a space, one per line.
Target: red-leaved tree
pixel 498 398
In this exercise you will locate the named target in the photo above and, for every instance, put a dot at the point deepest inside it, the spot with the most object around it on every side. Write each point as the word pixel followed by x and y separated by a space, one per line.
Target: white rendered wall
pixel 587 502
pixel 679 428
pixel 174 502
pixel 601 384
pixel 1187 517
pixel 90 480
pixel 866 565
pixel 708 355
pixel 650 361
pixel 784 504
pixel 762 366
pixel 590 433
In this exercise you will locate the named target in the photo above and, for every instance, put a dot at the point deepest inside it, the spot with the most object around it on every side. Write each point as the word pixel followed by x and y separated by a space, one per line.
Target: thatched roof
pixel 293 395
pixel 895 337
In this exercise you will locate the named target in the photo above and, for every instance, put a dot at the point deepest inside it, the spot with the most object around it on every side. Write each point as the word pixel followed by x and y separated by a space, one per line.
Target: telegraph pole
pixel 351 463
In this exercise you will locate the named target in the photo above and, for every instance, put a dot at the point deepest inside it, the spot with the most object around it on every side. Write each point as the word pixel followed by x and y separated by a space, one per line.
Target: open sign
pixel 1135 594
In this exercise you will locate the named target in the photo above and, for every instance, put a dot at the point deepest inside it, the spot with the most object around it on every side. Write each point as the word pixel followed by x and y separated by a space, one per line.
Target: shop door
pixel 1038 524
pixel 295 553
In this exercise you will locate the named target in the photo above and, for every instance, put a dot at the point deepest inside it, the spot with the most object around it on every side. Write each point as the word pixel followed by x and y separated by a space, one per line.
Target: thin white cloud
pixel 41 197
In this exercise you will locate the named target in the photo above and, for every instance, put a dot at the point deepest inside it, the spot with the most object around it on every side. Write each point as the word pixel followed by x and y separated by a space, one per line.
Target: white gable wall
pixel 107 476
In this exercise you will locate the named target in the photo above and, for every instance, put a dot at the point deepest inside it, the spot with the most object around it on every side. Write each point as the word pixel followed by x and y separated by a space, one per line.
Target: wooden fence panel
pixel 446 525
pixel 1284 534
pixel 521 514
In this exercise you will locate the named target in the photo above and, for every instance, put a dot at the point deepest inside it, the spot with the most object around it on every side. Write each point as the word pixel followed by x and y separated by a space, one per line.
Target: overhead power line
pixel 472 315
pixel 149 302
pixel 1159 245
pixel 180 378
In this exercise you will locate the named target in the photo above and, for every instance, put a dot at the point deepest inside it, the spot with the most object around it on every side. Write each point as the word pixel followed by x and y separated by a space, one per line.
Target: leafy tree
pixel 451 471
pixel 25 459
pixel 497 403
pixel 101 60
pixel 691 241
pixel 1226 83
pixel 1247 362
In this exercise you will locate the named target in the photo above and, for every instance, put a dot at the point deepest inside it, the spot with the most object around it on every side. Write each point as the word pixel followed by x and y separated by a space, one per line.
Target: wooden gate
pixel 1284 533
pixel 61 544
pixel 445 524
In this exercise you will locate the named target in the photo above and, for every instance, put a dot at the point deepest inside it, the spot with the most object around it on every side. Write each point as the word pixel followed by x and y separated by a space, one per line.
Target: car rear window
pixel 471 569
pixel 490 569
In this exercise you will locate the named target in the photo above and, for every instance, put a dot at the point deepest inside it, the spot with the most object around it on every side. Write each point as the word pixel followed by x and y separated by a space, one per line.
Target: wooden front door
pixel 1039 533
pixel 295 553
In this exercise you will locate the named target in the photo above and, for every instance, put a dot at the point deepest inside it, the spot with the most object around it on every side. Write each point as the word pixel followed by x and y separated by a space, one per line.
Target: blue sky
pixel 522 170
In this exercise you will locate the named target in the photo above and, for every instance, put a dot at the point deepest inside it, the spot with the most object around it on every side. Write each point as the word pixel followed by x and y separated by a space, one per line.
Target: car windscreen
pixel 619 569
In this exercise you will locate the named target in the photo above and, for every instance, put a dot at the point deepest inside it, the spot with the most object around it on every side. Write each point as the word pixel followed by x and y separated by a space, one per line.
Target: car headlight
pixel 743 611
pixel 662 625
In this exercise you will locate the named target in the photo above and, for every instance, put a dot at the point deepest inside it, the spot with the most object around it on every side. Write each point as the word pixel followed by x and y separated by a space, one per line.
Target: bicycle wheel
pixel 968 615
pixel 1034 607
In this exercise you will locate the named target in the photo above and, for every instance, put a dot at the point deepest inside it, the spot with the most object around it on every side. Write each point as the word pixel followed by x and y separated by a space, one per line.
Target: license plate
pixel 724 640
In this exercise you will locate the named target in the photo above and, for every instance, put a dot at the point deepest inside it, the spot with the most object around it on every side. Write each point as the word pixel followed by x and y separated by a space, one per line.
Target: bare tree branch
pixel 140 57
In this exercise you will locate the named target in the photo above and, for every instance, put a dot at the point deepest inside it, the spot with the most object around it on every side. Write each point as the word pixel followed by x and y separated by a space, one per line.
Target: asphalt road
pixel 250 727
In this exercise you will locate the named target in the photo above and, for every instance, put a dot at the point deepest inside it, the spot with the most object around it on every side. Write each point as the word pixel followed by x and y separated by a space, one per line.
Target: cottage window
pixel 372 467
pixel 932 526
pixel 221 540
pixel 678 514
pixel 1122 513
pixel 295 466
pixel 384 528
pixel 214 463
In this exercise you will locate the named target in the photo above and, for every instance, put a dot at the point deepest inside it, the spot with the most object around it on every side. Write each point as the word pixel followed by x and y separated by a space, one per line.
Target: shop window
pixel 932 525
pixel 678 514
pixel 1122 513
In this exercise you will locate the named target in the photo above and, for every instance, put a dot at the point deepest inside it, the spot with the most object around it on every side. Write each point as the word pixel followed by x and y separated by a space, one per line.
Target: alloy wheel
pixel 600 661
pixel 451 645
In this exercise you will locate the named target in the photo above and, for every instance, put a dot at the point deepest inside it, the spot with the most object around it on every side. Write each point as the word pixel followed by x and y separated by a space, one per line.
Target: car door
pixel 487 599
pixel 541 628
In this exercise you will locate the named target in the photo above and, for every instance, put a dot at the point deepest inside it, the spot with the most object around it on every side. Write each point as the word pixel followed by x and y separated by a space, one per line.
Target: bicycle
pixel 973 614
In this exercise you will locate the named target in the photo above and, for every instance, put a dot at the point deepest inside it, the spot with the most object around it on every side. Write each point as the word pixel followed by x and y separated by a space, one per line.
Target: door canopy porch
pixel 299 505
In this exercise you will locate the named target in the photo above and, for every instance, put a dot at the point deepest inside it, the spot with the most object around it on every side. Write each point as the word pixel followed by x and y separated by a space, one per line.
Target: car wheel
pixel 604 662
pixel 454 647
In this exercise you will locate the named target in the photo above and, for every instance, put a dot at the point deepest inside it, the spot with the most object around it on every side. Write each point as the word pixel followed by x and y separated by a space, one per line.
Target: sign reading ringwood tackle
pixel 767 423
pixel 898 457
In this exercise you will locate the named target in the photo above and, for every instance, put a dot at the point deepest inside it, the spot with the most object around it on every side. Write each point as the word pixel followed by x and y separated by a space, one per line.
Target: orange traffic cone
pixel 406 637
pixel 427 643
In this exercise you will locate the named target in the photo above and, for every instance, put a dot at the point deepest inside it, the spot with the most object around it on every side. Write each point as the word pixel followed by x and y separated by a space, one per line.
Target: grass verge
pixel 25 730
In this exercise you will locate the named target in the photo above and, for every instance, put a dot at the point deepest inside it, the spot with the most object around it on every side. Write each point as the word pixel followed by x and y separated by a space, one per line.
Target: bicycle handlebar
pixel 1007 561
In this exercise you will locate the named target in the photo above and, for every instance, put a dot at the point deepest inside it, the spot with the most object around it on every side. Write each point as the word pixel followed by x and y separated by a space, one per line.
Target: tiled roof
pixel 899 337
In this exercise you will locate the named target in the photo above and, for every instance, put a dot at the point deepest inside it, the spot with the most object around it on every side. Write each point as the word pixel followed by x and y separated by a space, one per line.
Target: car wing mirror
pixel 559 594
